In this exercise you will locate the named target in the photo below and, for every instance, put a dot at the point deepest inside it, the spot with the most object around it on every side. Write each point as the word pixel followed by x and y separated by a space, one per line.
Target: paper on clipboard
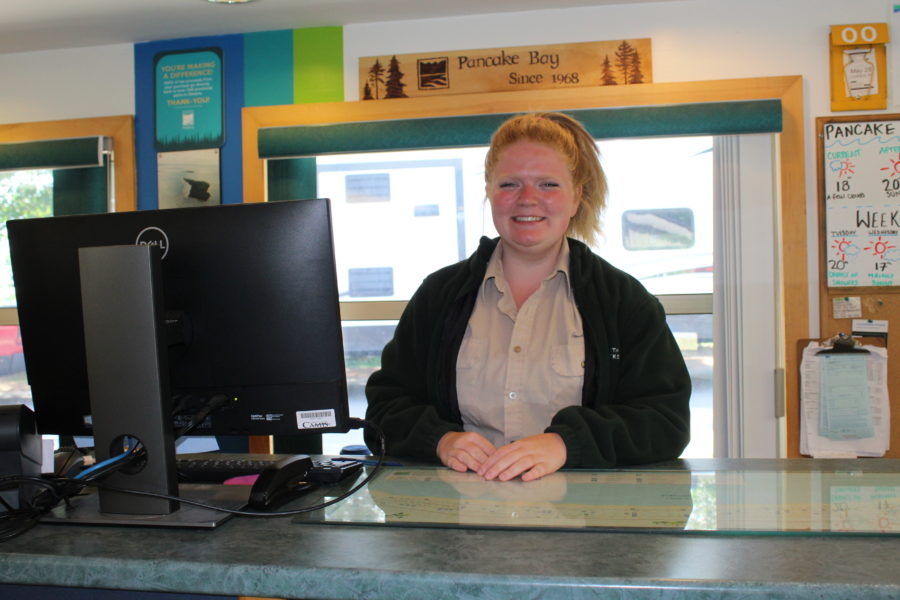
pixel 837 420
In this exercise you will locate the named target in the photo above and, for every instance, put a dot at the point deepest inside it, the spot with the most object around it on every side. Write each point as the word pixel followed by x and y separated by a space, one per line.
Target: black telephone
pixel 281 482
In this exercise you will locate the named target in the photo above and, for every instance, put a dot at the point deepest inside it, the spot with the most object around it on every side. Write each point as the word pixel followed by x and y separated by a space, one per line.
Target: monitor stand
pixel 128 381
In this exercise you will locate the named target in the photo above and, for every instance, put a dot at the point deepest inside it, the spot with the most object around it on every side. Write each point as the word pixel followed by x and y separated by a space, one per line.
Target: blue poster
pixel 188 98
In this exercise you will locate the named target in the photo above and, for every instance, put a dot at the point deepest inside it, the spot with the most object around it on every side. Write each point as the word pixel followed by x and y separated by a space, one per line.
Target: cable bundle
pixel 16 521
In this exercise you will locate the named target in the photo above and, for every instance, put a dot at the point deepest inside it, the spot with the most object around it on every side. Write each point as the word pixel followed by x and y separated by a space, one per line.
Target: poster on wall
pixel 188 99
pixel 619 62
pixel 862 202
pixel 188 178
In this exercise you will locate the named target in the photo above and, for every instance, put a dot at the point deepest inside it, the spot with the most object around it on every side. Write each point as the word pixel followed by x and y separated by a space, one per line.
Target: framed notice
pixel 859 66
pixel 188 100
pixel 188 178
pixel 859 163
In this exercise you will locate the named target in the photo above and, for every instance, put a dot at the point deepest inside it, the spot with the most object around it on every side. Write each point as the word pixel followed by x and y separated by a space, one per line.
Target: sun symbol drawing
pixel 879 247
pixel 840 246
pixel 843 168
pixel 894 168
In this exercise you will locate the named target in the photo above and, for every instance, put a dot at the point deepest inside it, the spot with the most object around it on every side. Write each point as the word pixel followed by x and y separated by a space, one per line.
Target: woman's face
pixel 532 197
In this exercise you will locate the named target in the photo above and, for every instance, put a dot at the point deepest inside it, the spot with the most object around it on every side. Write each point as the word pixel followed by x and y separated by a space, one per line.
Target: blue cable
pixel 129 449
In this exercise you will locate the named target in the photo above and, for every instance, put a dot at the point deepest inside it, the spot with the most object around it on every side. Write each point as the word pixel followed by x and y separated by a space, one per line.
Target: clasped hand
pixel 532 457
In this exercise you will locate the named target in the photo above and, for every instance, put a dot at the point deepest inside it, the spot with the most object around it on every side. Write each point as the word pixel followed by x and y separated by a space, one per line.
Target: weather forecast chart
pixel 862 203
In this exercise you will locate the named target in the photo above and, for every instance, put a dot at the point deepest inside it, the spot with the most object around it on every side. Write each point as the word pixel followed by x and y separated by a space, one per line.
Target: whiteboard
pixel 862 203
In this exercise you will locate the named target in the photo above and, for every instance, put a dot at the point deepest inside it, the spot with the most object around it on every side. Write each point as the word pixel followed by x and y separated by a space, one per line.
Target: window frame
pixel 119 129
pixel 793 282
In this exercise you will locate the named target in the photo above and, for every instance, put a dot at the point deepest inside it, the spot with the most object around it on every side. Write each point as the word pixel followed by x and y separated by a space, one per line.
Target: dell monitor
pixel 124 316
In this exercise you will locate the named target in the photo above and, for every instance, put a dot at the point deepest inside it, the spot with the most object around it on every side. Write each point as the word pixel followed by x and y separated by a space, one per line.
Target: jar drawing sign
pixel 859 73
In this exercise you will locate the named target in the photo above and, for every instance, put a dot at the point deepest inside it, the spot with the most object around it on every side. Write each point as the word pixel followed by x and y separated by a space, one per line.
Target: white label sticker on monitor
pixel 316 419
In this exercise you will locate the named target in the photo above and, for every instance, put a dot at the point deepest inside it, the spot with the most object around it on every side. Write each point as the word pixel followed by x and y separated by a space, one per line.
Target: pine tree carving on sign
pixel 395 85
pixel 628 62
pixel 607 77
pixel 376 76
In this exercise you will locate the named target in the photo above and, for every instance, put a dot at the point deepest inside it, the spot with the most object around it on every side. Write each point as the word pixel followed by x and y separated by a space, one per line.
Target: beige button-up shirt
pixel 518 367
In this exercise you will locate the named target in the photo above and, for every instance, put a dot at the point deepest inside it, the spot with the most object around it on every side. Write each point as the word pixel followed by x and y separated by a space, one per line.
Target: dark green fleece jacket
pixel 636 392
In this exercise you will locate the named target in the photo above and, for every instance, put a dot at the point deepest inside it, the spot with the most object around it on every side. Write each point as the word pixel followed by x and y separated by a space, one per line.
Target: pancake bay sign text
pixel 618 62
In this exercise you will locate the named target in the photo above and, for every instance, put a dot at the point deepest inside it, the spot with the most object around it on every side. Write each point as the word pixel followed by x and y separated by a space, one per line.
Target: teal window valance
pixel 80 170
pixel 708 118
pixel 53 154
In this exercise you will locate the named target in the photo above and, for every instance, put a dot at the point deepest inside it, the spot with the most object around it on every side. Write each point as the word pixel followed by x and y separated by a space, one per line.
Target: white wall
pixel 67 84
pixel 692 40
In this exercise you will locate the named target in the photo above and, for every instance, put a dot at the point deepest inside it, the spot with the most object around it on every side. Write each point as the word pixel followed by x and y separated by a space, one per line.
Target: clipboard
pixel 844 406
pixel 841 344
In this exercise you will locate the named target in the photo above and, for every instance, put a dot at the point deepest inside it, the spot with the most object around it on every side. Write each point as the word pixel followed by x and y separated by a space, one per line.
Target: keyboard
pixel 217 467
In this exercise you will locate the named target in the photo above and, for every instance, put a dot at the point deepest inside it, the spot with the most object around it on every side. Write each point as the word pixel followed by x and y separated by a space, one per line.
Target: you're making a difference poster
pixel 188 100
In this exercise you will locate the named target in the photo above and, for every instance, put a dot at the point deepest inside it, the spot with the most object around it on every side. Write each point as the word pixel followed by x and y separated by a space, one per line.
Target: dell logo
pixel 153 236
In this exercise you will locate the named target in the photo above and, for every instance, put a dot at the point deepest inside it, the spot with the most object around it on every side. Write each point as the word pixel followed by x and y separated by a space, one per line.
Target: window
pixel 424 209
pixel 659 222
pixel 658 229
pixel 81 180
pixel 429 213
pixel 768 228
pixel 22 194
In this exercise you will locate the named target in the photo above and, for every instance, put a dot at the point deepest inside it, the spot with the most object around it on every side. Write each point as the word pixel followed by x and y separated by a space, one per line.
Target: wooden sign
pixel 621 62
pixel 859 66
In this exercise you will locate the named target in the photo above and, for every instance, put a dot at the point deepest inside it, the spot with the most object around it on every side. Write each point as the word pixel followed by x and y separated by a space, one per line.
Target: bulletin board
pixel 858 168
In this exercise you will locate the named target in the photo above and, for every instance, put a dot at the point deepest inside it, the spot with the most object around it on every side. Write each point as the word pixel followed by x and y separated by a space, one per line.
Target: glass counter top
pixel 757 501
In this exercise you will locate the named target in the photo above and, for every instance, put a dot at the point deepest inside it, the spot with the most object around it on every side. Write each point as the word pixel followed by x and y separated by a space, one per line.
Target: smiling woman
pixel 534 353
pixel 533 198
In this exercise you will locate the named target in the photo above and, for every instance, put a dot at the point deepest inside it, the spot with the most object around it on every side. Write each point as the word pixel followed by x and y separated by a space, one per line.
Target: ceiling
pixel 33 25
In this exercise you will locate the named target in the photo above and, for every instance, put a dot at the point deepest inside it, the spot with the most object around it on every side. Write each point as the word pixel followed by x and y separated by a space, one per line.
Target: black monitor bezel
pixel 280 236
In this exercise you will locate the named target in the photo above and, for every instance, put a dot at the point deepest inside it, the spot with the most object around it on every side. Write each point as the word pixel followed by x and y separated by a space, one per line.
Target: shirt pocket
pixel 567 375
pixel 472 354
pixel 567 360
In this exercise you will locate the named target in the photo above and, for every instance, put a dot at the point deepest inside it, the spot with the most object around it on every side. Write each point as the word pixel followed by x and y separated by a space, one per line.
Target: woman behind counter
pixel 534 354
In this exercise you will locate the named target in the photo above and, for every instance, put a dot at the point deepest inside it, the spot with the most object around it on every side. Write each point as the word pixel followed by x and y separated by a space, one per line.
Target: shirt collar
pixel 495 266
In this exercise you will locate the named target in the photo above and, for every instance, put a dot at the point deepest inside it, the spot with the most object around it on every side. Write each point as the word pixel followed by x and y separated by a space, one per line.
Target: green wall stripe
pixel 269 68
pixel 318 65
pixel 712 118
pixel 48 154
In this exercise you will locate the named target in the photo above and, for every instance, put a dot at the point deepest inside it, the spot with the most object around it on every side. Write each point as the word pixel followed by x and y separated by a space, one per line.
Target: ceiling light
pixel 230 1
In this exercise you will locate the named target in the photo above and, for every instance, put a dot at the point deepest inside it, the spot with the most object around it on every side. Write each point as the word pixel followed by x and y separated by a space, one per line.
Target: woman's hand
pixel 532 457
pixel 464 451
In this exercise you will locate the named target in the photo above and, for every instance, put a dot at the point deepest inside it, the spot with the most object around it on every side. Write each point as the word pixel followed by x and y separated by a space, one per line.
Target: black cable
pixel 179 404
pixel 214 404
pixel 72 455
pixel 57 489
pixel 15 522
pixel 355 424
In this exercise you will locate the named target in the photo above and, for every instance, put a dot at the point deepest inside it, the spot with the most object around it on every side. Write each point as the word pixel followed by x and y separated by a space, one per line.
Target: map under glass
pixel 726 501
